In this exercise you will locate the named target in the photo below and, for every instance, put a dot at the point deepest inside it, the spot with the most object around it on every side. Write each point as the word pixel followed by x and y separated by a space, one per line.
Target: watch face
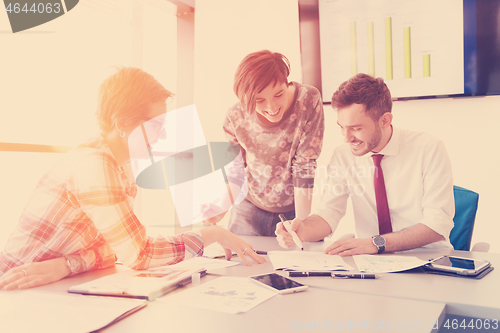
pixel 379 241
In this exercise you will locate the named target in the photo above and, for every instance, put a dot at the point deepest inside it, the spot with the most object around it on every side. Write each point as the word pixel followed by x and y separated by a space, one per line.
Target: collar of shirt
pixel 392 147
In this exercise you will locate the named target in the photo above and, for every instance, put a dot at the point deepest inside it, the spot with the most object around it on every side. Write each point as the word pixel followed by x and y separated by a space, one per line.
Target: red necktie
pixel 384 218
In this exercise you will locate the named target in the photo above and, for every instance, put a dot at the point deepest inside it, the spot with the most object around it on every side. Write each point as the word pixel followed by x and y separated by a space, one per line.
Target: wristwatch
pixel 379 242
pixel 72 264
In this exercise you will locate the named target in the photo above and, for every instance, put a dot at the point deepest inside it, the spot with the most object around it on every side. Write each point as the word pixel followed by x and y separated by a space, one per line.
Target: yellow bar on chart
pixel 407 52
pixel 388 48
pixel 427 65
pixel 354 49
pixel 371 50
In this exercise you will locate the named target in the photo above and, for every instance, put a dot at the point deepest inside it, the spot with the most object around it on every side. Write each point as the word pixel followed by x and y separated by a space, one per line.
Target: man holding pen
pixel 399 181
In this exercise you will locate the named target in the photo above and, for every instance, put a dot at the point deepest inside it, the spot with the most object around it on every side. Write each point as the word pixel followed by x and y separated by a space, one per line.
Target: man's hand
pixel 34 274
pixel 284 238
pixel 352 246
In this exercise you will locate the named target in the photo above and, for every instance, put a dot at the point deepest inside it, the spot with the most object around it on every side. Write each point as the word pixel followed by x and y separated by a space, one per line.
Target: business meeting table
pixel 400 302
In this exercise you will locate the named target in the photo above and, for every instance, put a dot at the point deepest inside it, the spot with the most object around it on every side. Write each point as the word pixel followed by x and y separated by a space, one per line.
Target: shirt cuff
pixel 193 244
pixel 331 220
pixel 440 225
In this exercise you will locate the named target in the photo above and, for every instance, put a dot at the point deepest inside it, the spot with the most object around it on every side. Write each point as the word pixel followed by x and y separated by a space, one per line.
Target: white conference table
pixel 463 296
pixel 410 302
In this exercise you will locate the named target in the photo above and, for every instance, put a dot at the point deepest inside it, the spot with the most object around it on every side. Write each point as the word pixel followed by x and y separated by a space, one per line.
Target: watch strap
pixel 73 264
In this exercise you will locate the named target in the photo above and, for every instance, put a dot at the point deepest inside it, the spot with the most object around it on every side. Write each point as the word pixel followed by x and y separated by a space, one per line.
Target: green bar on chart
pixel 427 65
pixel 371 50
pixel 407 53
pixel 354 49
pixel 388 48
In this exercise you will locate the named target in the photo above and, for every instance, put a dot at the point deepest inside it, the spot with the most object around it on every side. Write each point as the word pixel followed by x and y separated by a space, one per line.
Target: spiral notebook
pixel 147 285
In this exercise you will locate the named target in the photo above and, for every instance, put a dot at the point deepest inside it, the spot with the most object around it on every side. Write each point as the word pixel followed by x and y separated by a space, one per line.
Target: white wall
pixel 227 30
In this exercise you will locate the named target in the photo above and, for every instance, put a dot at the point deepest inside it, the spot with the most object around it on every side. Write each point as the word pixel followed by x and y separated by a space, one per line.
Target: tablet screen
pixel 456 262
pixel 461 263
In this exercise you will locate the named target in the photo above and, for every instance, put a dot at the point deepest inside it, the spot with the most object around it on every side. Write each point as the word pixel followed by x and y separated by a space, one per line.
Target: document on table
pixel 224 294
pixel 307 261
pixel 214 250
pixel 200 263
pixel 386 263
pixel 31 311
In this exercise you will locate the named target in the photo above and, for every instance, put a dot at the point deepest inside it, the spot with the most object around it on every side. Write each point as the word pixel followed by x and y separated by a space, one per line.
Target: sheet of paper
pixel 307 261
pixel 224 294
pixel 30 311
pixel 214 250
pixel 199 263
pixel 387 263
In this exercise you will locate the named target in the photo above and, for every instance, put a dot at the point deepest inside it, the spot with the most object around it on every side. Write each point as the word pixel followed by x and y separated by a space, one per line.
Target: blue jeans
pixel 249 220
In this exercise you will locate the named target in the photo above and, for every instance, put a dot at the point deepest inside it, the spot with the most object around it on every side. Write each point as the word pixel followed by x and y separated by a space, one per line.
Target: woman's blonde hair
pixel 125 97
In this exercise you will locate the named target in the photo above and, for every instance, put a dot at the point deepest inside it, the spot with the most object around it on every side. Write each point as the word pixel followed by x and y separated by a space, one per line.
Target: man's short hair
pixel 257 71
pixel 125 96
pixel 364 89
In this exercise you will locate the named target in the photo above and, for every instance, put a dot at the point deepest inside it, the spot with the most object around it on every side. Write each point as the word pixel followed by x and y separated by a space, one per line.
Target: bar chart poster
pixel 416 46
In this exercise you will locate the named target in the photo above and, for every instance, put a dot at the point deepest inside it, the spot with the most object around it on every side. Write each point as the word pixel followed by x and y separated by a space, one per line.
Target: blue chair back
pixel 466 202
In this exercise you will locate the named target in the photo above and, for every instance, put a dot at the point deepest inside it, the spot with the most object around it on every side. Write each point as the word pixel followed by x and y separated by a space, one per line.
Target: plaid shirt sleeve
pixel 102 190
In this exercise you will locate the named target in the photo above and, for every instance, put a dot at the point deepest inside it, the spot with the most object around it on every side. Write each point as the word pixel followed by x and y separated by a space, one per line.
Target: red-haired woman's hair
pixel 125 96
pixel 257 71
pixel 367 90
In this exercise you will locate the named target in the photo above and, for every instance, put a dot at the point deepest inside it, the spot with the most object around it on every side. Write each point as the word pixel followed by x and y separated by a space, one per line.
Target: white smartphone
pixel 459 265
pixel 279 283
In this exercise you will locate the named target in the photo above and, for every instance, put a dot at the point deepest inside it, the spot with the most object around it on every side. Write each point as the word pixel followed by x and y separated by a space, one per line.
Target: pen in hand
pixel 288 228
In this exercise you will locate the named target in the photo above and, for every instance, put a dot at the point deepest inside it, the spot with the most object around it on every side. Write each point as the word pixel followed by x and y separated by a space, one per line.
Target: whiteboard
pixel 416 46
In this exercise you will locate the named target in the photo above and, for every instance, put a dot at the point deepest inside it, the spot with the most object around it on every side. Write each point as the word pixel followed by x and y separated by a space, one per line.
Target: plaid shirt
pixel 83 207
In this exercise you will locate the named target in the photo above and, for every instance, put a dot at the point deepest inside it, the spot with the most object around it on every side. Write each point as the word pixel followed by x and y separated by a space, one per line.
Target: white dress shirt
pixel 418 180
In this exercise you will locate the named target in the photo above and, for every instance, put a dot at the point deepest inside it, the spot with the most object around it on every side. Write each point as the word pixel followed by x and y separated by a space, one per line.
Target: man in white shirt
pixel 415 169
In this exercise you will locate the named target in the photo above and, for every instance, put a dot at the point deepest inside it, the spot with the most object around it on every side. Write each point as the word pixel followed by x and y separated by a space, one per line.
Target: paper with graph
pixel 224 294
pixel 387 263
pixel 307 261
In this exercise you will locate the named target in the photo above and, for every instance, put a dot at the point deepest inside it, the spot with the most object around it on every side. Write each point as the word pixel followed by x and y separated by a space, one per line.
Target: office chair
pixel 466 202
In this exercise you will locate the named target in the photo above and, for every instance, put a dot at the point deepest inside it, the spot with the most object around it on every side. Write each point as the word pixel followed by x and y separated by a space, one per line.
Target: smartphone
pixel 279 283
pixel 459 265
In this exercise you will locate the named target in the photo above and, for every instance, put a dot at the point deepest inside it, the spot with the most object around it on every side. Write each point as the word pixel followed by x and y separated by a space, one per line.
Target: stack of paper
pixel 307 261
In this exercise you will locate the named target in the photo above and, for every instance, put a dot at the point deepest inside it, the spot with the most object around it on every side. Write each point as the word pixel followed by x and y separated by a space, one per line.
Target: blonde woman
pixel 80 216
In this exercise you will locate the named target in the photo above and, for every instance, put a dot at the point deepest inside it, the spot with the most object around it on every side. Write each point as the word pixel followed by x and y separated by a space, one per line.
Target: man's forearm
pixel 410 238
pixel 314 228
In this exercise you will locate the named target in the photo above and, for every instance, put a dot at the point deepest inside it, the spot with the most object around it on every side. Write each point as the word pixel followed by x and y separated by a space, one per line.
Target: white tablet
pixel 459 265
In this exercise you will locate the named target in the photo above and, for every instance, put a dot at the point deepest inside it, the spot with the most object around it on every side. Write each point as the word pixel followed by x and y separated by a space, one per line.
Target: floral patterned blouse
pixel 281 156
